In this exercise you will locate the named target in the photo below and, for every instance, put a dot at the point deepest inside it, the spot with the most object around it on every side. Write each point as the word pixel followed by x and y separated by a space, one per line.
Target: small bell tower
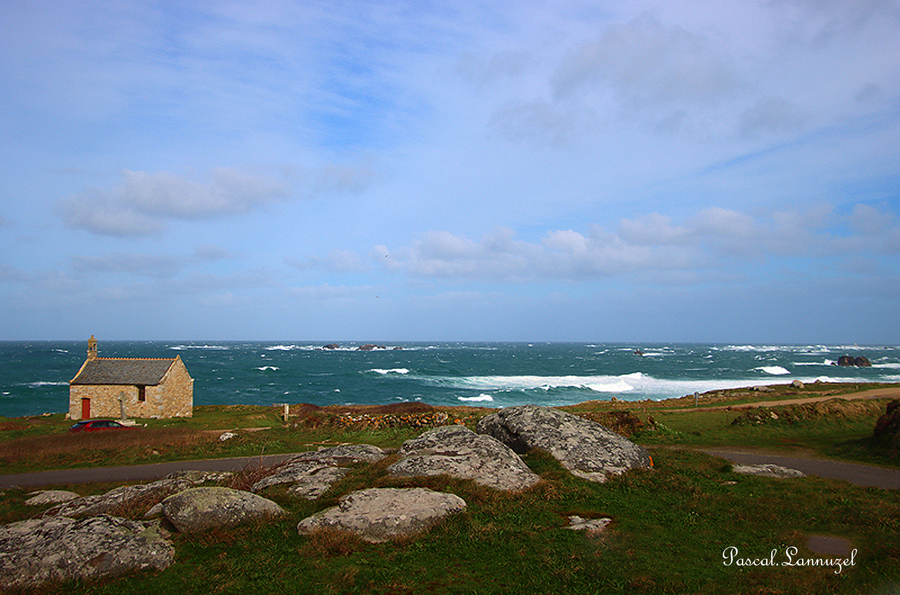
pixel 92 348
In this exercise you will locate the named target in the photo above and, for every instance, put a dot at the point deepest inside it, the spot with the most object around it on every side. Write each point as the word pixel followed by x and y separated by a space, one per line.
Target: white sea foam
pixel 619 386
pixel 215 347
pixel 264 368
pixel 40 383
pixel 511 383
pixel 479 398
pixel 391 371
pixel 773 370
pixel 288 347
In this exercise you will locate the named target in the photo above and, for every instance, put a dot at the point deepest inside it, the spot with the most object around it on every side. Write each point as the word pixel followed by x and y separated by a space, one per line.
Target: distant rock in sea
pixel 860 362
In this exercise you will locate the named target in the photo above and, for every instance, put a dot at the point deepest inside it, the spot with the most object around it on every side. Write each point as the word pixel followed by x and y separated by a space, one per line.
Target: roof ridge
pixel 138 358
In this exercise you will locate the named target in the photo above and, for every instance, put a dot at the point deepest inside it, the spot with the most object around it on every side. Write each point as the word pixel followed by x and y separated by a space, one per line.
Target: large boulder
pixel 58 548
pixel 201 509
pixel 587 449
pixel 308 479
pixel 381 514
pixel 119 498
pixel 459 452
pixel 42 497
pixel 344 454
pixel 312 473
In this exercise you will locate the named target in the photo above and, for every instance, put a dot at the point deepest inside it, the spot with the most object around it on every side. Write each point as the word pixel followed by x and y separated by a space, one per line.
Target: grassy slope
pixel 670 524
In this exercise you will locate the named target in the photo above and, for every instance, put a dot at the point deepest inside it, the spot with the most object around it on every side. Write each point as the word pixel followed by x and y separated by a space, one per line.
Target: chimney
pixel 92 348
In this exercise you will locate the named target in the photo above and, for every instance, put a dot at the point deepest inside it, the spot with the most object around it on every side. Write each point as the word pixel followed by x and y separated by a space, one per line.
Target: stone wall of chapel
pixel 172 397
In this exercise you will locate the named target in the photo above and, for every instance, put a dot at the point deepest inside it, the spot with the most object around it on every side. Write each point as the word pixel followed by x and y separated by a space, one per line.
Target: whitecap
pixel 215 347
pixel 391 371
pixel 264 368
pixel 619 386
pixel 479 398
pixel 773 370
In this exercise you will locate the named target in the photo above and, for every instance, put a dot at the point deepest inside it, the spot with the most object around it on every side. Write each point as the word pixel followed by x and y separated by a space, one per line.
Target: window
pixel 142 393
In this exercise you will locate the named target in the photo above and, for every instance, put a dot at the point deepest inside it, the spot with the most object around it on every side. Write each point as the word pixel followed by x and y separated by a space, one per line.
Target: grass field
pixel 671 530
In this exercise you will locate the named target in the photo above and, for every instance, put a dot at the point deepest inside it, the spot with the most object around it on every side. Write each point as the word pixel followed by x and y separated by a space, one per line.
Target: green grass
pixel 836 429
pixel 670 525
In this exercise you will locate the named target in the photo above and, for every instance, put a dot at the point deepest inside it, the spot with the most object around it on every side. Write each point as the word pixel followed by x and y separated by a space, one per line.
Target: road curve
pixel 855 473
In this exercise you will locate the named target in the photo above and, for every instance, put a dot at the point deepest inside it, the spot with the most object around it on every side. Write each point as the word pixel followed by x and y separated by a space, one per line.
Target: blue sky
pixel 535 171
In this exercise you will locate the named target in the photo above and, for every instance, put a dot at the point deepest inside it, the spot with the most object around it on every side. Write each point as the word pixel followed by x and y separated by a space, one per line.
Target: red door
pixel 85 408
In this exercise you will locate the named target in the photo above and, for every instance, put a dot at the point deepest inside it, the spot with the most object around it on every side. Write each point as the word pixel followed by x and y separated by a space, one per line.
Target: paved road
pixel 855 473
pixel 134 473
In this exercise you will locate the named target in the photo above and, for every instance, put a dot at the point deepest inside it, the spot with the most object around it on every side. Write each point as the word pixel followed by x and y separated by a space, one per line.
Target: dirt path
pixel 856 473
pixel 876 393
pixel 135 473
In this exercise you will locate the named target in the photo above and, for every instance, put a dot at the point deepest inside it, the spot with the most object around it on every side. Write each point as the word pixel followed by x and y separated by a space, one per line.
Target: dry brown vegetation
pixel 63 450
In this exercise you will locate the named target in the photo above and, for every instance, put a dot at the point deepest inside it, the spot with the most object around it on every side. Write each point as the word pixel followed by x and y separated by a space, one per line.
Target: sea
pixel 34 375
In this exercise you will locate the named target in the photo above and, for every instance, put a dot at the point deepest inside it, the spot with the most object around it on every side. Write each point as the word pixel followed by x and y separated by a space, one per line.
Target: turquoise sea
pixel 34 376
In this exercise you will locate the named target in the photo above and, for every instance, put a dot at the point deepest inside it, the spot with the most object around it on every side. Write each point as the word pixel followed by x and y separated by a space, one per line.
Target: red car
pixel 95 425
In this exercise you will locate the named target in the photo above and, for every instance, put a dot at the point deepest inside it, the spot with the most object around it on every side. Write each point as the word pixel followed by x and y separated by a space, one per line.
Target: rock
pixel 136 495
pixel 59 548
pixel 226 436
pixel 768 471
pixel 344 454
pixel 315 484
pixel 576 523
pixel 861 361
pixel 310 477
pixel 332 346
pixel 41 497
pixel 459 452
pixel 201 509
pixel 370 347
pixel 197 477
pixel 797 384
pixel 587 449
pixel 381 514
pixel 312 473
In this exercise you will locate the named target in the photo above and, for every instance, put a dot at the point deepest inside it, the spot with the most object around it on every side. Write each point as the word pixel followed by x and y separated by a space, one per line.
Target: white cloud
pixel 144 201
pixel 712 239
pixel 647 61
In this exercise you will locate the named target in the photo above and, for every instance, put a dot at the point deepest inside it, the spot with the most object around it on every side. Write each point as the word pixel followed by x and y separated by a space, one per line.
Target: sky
pixel 631 170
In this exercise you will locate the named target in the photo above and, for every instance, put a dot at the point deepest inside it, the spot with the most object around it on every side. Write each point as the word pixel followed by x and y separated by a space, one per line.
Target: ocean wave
pixel 214 347
pixel 478 399
pixel 264 368
pixel 546 383
pixel 290 347
pixel 391 371
pixel 773 370
pixel 40 383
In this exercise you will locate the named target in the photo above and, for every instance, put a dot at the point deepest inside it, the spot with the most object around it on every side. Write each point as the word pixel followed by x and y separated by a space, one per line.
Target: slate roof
pixel 110 370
